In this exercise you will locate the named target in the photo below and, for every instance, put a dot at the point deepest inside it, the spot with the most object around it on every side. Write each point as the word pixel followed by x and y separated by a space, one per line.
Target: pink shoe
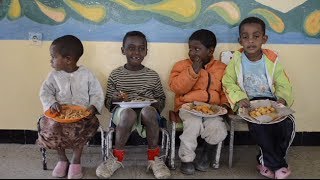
pixel 282 173
pixel 61 169
pixel 75 171
pixel 264 171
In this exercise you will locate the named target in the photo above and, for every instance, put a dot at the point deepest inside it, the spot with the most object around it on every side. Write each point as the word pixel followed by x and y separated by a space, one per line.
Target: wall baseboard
pixel 240 138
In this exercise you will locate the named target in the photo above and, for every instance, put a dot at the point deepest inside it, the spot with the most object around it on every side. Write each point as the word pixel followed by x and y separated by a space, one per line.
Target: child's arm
pixel 47 93
pixel 283 87
pixel 182 78
pixel 95 94
pixel 232 90
pixel 223 98
pixel 159 96
pixel 110 93
pixel 93 111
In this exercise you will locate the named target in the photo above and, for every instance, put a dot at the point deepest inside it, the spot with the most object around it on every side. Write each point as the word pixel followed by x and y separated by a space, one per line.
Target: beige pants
pixel 213 130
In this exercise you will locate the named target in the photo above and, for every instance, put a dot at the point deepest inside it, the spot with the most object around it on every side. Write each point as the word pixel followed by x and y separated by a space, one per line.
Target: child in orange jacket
pixel 199 79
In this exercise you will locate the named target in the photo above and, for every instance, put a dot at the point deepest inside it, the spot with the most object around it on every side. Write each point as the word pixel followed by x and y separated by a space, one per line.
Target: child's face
pixel 57 61
pixel 252 38
pixel 135 49
pixel 198 50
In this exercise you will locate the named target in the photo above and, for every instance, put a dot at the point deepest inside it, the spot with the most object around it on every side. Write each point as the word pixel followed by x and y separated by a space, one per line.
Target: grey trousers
pixel 213 130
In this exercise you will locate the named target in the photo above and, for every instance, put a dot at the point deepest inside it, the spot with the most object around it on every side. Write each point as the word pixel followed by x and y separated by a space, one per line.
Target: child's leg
pixel 149 117
pixel 274 141
pixel 263 136
pixel 124 120
pixel 267 157
pixel 76 158
pixel 62 155
pixel 192 127
pixel 75 168
pixel 215 131
pixel 123 130
pixel 61 168
pixel 284 135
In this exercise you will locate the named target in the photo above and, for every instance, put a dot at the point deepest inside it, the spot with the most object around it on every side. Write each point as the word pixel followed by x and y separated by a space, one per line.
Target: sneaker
pixel 107 168
pixel 187 168
pixel 160 170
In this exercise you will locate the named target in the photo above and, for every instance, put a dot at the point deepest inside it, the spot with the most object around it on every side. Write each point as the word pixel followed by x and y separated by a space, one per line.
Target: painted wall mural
pixel 293 22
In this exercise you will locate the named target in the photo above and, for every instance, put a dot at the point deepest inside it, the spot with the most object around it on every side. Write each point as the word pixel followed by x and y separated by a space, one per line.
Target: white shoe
pixel 108 167
pixel 160 170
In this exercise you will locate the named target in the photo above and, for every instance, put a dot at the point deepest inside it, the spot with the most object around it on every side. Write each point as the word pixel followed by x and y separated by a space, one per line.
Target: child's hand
pixel 93 111
pixel 197 64
pixel 156 105
pixel 227 108
pixel 282 101
pixel 119 96
pixel 55 108
pixel 244 103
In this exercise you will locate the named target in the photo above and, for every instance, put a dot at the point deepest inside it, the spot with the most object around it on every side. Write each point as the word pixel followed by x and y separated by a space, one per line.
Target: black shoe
pixel 187 168
pixel 202 165
pixel 206 157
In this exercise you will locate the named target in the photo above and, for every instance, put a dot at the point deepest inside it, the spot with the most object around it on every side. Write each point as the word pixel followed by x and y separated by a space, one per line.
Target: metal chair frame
pixel 174 118
pixel 107 138
pixel 233 119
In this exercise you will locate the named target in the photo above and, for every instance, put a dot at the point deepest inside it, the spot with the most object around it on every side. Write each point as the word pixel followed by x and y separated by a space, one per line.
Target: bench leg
pixel 173 148
pixel 231 142
pixel 108 142
pixel 217 158
pixel 103 143
pixel 165 138
pixel 44 158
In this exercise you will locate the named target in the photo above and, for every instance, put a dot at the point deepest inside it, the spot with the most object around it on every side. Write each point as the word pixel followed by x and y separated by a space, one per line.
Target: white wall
pixel 24 67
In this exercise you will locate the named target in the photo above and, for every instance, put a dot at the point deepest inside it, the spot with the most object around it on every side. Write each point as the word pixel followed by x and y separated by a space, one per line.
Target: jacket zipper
pixel 208 86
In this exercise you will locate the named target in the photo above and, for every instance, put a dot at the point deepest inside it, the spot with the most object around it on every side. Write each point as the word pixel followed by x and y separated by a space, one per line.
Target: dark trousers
pixel 274 141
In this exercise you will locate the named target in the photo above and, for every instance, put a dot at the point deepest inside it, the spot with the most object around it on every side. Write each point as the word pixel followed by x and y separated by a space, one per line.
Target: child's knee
pixel 149 112
pixel 127 117
pixel 215 132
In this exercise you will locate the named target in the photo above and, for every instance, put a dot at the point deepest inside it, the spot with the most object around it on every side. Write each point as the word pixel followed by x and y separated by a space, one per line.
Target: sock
pixel 153 153
pixel 119 154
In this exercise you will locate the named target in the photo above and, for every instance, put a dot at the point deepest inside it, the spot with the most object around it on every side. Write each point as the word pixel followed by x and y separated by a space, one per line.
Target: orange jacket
pixel 189 86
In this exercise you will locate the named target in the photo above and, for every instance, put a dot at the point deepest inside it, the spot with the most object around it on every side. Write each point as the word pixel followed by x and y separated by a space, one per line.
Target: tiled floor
pixel 24 162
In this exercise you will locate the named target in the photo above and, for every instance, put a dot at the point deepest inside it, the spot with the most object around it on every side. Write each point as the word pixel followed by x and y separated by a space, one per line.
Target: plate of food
pixel 203 109
pixel 138 102
pixel 68 114
pixel 265 112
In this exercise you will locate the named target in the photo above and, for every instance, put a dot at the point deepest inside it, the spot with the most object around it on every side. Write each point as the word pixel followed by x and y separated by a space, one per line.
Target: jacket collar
pixel 271 55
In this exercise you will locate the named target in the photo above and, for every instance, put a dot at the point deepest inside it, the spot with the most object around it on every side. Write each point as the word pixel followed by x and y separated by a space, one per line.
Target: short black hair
pixel 250 20
pixel 133 33
pixel 69 45
pixel 206 37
